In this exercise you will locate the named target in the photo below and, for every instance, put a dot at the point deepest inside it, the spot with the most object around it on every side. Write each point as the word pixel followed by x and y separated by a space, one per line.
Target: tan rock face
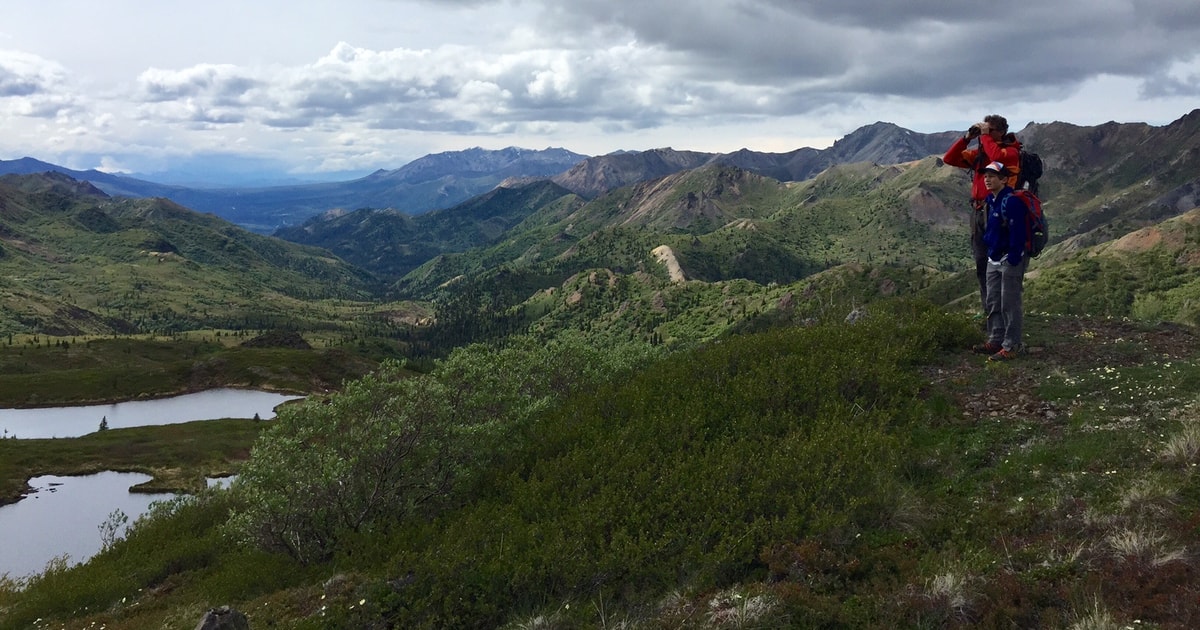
pixel 666 256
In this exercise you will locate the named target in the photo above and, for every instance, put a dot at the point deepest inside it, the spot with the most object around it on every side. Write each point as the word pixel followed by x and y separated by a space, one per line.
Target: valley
pixel 628 392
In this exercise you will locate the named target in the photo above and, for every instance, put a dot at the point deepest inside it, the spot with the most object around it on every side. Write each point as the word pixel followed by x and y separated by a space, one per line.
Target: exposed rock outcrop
pixel 223 618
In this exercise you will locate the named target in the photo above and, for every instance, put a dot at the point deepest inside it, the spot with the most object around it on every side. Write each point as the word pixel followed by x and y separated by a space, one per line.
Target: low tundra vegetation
pixel 867 475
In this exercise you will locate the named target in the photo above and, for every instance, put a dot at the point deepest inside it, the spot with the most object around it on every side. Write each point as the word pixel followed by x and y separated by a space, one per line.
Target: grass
pixel 46 371
pixel 177 456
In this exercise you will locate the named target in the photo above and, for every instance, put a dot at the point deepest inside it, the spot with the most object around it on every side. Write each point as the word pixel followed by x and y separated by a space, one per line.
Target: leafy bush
pixel 393 445
pixel 685 473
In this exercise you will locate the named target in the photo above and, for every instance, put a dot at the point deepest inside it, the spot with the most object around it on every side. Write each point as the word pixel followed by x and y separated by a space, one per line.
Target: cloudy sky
pixel 312 87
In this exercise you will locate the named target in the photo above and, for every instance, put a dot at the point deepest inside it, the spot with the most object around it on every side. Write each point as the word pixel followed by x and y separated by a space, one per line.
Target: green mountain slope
pixel 433 181
pixel 76 261
pixel 392 243
pixel 867 475
pixel 1149 274
pixel 503 261
pixel 1103 182
pixel 616 263
pixel 692 433
pixel 883 229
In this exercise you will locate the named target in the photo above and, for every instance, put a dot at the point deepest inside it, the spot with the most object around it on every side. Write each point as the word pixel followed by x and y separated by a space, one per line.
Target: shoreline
pixel 9 405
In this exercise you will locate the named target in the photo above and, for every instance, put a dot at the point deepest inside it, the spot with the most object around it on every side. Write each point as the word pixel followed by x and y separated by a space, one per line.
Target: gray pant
pixel 1005 283
pixel 979 250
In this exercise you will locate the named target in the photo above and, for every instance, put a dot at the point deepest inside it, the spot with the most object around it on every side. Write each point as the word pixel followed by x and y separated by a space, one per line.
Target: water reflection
pixel 64 517
pixel 219 482
pixel 64 422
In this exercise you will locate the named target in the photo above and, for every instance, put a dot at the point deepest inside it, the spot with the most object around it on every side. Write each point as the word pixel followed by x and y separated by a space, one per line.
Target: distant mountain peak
pixel 54 182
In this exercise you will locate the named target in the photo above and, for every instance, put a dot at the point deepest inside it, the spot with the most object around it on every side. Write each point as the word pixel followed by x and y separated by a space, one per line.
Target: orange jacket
pixel 1008 153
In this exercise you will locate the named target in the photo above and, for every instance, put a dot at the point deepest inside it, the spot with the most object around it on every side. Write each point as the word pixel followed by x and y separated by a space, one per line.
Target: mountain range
pixel 1101 182
pixel 443 180
pixel 626 455
pixel 531 249
pixel 435 181
pixel 881 143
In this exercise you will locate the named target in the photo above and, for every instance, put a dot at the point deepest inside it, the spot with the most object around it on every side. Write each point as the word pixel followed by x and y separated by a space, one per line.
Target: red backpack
pixel 1036 230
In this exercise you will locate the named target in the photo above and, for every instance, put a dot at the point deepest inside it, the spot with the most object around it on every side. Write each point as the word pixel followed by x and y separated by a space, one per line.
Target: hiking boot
pixel 1003 355
pixel 990 347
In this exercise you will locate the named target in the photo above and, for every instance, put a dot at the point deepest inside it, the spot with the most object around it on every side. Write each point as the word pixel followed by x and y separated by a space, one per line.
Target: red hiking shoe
pixel 1003 355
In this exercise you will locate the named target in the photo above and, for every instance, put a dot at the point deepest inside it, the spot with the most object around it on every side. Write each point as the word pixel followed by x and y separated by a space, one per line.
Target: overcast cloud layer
pixel 314 86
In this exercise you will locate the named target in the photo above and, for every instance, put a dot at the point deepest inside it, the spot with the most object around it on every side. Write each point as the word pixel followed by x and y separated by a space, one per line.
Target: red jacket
pixel 1007 153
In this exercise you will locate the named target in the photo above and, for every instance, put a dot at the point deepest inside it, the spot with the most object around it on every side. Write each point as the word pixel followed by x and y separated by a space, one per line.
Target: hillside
pixel 512 259
pixel 900 225
pixel 442 180
pixel 392 243
pixel 1106 181
pixel 1084 188
pixel 868 475
pixel 77 261
pixel 718 447
pixel 880 143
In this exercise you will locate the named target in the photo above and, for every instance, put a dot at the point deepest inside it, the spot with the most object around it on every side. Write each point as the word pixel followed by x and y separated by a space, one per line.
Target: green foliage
pixel 376 448
pixel 392 446
pixel 834 475
pixel 1153 285
pixel 685 472
pixel 391 243
pixel 93 264
pixel 106 369
pixel 826 470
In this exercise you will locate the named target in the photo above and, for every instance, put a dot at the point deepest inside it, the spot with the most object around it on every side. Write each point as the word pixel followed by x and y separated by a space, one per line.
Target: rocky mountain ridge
pixel 434 181
pixel 727 223
pixel 860 210
pixel 880 143
pixel 442 180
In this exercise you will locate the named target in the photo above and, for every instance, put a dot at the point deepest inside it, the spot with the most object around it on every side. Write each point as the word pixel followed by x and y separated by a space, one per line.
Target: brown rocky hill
pixel 1104 181
pixel 880 143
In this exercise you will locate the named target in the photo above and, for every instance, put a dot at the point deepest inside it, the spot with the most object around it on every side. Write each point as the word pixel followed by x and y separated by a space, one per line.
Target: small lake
pixel 66 422
pixel 64 517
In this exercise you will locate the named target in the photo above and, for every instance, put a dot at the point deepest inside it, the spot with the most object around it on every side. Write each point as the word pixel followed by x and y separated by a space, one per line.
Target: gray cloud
pixel 641 64
pixel 22 74
pixel 921 48
pixel 1164 85
pixel 34 87
pixel 650 64
pixel 12 84
pixel 530 70
pixel 224 83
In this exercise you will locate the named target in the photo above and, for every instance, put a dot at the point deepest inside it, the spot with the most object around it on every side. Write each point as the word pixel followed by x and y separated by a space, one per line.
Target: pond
pixel 64 516
pixel 65 422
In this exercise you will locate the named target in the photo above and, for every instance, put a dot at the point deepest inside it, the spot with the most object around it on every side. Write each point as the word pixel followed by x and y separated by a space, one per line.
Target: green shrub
pixel 391 446
pixel 685 473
